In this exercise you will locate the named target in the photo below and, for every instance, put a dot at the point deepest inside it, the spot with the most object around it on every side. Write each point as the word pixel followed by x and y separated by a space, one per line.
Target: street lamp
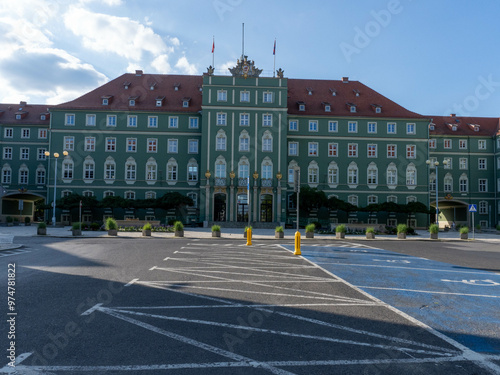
pixel 436 163
pixel 56 156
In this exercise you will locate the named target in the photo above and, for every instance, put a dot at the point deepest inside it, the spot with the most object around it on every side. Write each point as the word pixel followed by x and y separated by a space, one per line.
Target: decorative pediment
pixel 245 68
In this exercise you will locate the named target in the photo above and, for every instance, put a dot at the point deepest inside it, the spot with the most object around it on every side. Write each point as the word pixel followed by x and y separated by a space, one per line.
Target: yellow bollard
pixel 297 244
pixel 249 237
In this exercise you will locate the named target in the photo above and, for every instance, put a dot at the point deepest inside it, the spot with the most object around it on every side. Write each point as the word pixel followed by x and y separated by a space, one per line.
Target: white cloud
pixel 184 66
pixel 161 64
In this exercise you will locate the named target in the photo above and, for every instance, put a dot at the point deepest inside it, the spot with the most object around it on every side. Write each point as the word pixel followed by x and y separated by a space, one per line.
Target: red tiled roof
pixel 443 125
pixel 30 114
pixel 139 88
pixel 347 93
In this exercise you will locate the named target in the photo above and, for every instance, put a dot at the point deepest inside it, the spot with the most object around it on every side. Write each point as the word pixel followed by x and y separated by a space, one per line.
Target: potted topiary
pixel 402 229
pixel 75 228
pixel 279 232
pixel 42 229
pixel 340 231
pixel 215 230
pixel 246 229
pixel 464 233
pixel 111 226
pixel 27 221
pixel 370 233
pixel 310 230
pixel 10 221
pixel 146 230
pixel 179 229
pixel 434 230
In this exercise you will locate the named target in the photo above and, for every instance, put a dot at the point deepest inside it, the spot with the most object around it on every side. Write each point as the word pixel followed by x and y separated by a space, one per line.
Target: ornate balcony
pixel 242 181
pixel 219 181
pixel 267 182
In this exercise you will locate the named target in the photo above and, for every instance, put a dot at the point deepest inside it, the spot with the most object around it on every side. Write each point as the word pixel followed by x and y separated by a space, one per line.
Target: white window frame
pixel 333 126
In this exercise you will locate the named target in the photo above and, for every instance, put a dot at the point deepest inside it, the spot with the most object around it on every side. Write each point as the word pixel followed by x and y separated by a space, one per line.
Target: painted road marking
pixel 8 253
pixel 131 282
pixel 474 282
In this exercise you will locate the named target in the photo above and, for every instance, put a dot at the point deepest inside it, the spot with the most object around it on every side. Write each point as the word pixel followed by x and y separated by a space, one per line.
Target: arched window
pixel 411 199
pixel 392 198
pixel 220 167
pixel 313 174
pixel 151 171
pixel 372 199
pixel 352 175
pixel 432 182
pixel 150 195
pixel 109 170
pixel 333 174
pixel 172 168
pixel 372 175
pixel 40 175
pixel 244 141
pixel 392 175
pixel 23 175
pixel 88 169
pixel 220 141
pixel 411 175
pixel 463 183
pixel 291 170
pixel 353 199
pixel 130 170
pixel 192 172
pixel 267 141
pixel 243 171
pixel 448 183
pixel 67 169
pixel 267 170
pixel 6 174
pixel 194 197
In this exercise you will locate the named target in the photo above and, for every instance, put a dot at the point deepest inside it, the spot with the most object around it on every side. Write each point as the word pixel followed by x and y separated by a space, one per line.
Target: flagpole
pixel 274 54
pixel 213 52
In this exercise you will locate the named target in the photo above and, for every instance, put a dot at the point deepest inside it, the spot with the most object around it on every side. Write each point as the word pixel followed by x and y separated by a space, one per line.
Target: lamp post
pixel 436 164
pixel 56 156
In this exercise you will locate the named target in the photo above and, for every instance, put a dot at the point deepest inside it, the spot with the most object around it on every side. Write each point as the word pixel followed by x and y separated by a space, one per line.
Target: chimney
pixel 138 73
pixel 22 104
pixel 345 79
pixel 453 115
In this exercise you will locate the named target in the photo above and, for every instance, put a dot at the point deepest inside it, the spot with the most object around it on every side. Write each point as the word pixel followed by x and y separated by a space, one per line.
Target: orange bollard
pixel 297 244
pixel 249 237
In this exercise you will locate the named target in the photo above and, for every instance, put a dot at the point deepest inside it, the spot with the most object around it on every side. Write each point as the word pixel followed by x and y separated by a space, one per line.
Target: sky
pixel 433 57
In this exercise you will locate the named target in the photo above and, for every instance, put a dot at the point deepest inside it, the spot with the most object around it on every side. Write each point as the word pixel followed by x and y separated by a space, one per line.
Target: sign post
pixel 473 208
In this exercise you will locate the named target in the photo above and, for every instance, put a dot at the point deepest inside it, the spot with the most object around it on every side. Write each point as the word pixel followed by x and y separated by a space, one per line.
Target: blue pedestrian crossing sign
pixel 472 208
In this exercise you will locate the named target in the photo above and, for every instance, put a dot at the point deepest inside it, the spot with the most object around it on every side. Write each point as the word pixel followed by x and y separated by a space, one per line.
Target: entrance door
pixel 220 207
pixel 242 208
pixel 266 208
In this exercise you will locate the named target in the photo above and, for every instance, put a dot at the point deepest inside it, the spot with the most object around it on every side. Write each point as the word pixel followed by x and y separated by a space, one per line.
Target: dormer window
pixel 356 92
pixel 152 86
pixel 334 92
pixel 327 107
pixel 126 85
pixel 200 88
pixel 18 117
pixel 177 86
pixel 378 109
pixel 43 117
pixel 476 128
pixel 454 128
pixel 302 106
pixel 132 101
pixel 159 101
pixel 106 100
pixel 352 107
pixel 309 91
pixel 185 102
pixel 432 126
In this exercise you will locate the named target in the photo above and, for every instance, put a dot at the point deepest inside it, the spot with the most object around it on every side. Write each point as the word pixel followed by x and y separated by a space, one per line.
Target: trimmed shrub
pixel 178 226
pixel 75 226
pixel 111 224
pixel 434 228
pixel 340 228
pixel 42 225
pixel 464 230
pixel 215 228
pixel 402 228
pixel 147 226
pixel 279 229
pixel 370 230
pixel 310 228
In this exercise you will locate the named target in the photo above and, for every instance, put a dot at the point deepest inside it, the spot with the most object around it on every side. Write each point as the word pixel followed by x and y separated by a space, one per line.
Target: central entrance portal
pixel 266 208
pixel 242 208
pixel 220 207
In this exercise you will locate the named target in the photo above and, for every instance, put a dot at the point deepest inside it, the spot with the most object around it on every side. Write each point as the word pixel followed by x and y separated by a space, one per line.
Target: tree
pixel 73 201
pixel 173 200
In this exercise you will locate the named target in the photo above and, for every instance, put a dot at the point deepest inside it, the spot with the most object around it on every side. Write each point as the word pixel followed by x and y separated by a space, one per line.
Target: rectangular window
pixel 481 144
pixel 313 126
pixel 153 122
pixel 391 128
pixel 411 152
pixel 293 125
pixel 483 185
pixel 293 148
pixel 193 123
pixel 152 145
pixel 244 119
pixel 333 149
pixel 432 143
pixel 462 163
pixel 372 127
pixel 482 163
pixel 392 151
pixel 7 153
pixel 42 133
pixel 372 150
pixel 245 96
pixel 132 121
pixel 222 96
pixel 447 143
pixel 410 128
pixel 462 144
pixel 220 144
pixel 352 150
pixel 267 97
pixel 333 126
pixel 6 176
pixel 192 173
pixel 23 177
pixel 313 149
pixel 89 144
pixel 110 144
pixel 8 133
pixel 69 143
pixel 40 177
pixel 173 122
pixel 172 146
pixel 90 120
pixel 448 163
pixel 25 133
pixel 221 118
pixel 69 119
pixel 267 120
pixel 131 144
pixel 244 144
pixel 111 120
pixel 193 146
pixel 24 153
pixel 352 127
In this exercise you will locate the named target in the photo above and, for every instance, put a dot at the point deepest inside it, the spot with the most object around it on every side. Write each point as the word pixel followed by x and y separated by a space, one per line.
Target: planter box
pixel 401 236
pixel 434 236
pixel 370 236
pixel 279 235
pixel 179 233
pixel 113 232
pixel 464 236
pixel 41 231
pixel 309 234
pixel 216 233
pixel 339 235
pixel 77 232
pixel 146 232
